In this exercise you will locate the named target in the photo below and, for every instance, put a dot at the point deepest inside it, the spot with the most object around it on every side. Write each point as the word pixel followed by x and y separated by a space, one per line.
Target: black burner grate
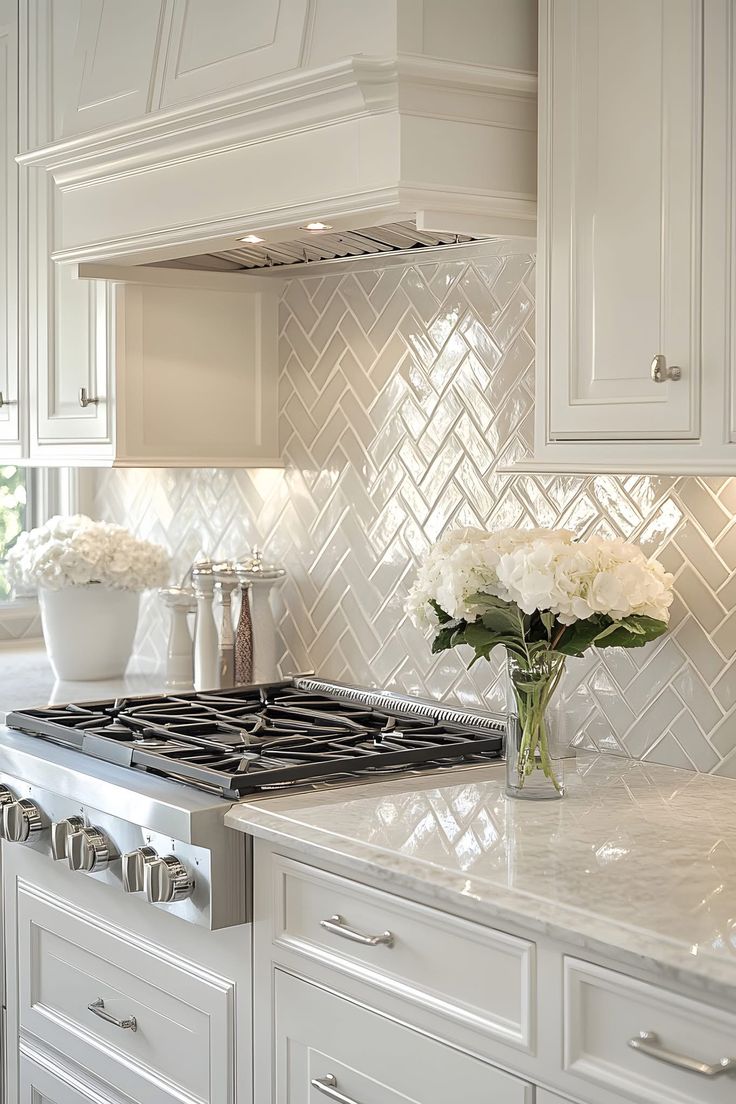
pixel 248 739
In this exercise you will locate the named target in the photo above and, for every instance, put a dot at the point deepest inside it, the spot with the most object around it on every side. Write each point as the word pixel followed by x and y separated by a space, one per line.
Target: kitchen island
pixel 586 945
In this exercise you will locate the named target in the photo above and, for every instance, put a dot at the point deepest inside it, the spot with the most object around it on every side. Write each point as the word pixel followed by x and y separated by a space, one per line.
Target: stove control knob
pixel 6 796
pixel 21 820
pixel 89 850
pixel 167 880
pixel 60 832
pixel 134 866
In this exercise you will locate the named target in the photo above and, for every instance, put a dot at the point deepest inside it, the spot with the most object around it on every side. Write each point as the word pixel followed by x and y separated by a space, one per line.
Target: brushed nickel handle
pixel 337 926
pixel 661 373
pixel 327 1085
pixel 85 400
pixel 98 1009
pixel 647 1042
pixel 7 402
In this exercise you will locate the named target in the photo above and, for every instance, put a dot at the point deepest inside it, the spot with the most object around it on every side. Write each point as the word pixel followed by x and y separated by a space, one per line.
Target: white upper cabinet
pixel 175 371
pixel 109 73
pixel 622 233
pixel 224 44
pixel 10 397
pixel 633 215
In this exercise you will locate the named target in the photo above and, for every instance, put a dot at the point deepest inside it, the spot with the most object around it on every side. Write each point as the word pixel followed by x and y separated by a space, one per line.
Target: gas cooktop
pixel 253 738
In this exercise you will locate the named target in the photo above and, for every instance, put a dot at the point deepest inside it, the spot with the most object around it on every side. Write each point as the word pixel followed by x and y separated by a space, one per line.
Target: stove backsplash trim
pixel 403 388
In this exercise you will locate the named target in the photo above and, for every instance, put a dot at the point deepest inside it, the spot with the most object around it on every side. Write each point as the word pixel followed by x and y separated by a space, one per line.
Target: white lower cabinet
pixel 364 996
pixel 331 1049
pixel 38 1085
pixel 650 1045
pixel 116 999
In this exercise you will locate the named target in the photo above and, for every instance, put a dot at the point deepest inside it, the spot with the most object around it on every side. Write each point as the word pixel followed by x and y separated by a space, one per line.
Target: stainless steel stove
pixel 133 791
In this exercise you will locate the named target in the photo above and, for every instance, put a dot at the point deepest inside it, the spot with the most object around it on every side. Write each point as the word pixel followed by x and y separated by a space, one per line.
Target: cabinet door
pixel 224 44
pixel 326 1045
pixel 68 320
pixel 620 168
pixel 108 75
pixel 545 1097
pixel 9 368
pixel 39 1086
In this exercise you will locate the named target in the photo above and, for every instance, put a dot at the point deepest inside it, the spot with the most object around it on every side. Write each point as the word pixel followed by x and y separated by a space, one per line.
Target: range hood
pixel 405 152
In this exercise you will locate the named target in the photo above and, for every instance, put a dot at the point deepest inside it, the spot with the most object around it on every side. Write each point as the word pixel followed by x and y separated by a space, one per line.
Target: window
pixel 29 497
pixel 14 514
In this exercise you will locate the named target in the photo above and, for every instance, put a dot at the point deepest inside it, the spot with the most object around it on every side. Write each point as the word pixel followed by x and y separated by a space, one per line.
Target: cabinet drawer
pixel 479 977
pixel 181 1044
pixel 323 1041
pixel 605 1009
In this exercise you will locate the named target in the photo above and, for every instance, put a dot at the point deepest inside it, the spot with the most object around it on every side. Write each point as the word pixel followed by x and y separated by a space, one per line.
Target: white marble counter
pixel 638 861
pixel 26 680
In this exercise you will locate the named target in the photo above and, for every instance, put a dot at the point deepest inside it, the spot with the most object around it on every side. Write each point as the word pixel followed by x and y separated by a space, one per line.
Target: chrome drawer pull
pixel 98 1008
pixel 327 1085
pixel 337 926
pixel 648 1043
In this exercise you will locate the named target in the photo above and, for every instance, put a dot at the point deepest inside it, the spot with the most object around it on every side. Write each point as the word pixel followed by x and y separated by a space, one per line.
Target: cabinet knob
pixel 661 373
pixel 21 820
pixel 134 868
pixel 85 400
pixel 60 832
pixel 88 849
pixel 6 402
pixel 167 880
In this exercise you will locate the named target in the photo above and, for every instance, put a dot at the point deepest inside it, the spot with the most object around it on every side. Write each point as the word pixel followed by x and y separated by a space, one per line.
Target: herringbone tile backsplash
pixel 402 389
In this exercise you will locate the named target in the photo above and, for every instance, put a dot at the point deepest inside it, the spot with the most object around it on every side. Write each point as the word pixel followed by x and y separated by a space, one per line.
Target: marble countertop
pixel 638 861
pixel 26 680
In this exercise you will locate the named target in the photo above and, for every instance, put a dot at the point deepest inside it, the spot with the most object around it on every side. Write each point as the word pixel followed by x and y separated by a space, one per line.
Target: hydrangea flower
pixel 76 551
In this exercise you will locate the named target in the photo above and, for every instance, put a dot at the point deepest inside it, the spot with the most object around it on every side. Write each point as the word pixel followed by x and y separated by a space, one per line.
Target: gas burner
pixel 258 738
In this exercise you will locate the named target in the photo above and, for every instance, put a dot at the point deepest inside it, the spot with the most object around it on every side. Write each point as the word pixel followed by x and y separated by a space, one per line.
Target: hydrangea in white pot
pixel 544 597
pixel 89 575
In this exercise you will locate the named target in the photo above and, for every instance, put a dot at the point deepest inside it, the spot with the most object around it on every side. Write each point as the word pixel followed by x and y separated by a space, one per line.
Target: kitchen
pixel 512 313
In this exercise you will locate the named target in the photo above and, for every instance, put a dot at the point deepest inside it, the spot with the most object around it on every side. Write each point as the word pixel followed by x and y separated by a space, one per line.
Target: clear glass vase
pixel 535 745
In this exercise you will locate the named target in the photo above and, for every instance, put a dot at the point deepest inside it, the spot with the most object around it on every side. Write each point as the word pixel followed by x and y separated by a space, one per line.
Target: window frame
pixel 51 491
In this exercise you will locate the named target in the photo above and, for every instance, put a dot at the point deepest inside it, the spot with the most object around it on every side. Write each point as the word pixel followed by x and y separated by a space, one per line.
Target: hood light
pixel 252 239
pixel 315 227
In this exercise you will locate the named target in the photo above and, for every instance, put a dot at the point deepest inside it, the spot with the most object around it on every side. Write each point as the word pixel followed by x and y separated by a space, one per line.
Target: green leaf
pixel 446 636
pixel 632 632
pixel 442 617
pixel 581 635
pixel 548 619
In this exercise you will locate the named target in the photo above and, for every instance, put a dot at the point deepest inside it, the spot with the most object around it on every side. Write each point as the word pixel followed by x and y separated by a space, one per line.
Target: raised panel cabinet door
pixel 68 332
pixel 620 169
pixel 38 1085
pixel 9 365
pixel 109 77
pixel 330 1049
pixel 224 44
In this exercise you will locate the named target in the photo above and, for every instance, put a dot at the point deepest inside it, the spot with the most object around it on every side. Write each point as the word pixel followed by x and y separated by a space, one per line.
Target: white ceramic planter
pixel 89 630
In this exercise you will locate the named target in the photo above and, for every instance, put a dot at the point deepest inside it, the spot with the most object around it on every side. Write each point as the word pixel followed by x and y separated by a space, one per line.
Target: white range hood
pixel 434 148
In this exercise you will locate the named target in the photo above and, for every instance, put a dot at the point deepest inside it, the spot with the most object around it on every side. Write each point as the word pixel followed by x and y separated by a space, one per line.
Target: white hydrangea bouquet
pixel 76 551
pixel 89 575
pixel 544 596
